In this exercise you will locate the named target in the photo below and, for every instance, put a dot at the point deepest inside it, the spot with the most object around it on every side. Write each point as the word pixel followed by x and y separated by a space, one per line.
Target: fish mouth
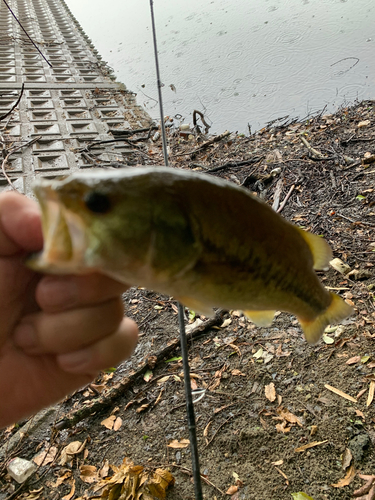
pixel 64 234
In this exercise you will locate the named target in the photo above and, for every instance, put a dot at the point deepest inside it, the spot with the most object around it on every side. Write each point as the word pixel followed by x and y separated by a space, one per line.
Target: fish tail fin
pixel 321 251
pixel 336 311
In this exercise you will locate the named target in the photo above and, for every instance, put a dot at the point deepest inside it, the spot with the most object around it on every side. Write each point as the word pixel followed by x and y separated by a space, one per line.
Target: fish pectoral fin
pixel 196 306
pixel 260 318
pixel 321 251
pixel 336 311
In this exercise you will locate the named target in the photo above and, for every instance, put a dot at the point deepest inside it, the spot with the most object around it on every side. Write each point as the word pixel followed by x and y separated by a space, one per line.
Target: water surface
pixel 240 62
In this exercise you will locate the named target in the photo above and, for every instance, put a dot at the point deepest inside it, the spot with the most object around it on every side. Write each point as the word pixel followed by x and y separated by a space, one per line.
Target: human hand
pixel 56 332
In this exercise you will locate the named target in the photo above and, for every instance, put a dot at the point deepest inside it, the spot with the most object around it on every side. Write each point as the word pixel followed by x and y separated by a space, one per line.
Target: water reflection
pixel 239 62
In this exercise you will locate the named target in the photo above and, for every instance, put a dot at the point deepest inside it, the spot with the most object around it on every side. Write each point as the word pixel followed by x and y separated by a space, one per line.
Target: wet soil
pixel 266 393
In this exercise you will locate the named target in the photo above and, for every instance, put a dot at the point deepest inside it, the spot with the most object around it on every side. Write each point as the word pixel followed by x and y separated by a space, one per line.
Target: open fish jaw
pixel 65 236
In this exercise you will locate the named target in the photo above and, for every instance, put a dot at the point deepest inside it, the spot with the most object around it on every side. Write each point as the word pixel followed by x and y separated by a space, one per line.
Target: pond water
pixel 240 62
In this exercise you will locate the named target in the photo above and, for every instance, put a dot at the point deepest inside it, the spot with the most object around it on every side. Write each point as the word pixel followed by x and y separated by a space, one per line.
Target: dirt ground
pixel 268 394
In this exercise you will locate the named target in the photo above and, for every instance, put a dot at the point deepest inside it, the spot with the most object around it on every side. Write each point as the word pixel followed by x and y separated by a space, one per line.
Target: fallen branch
pixel 195 113
pixel 133 132
pixel 234 164
pixel 313 151
pixel 118 389
pixel 204 145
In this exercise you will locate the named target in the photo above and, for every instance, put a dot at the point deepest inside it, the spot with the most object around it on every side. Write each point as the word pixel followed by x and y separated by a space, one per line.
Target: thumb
pixel 20 224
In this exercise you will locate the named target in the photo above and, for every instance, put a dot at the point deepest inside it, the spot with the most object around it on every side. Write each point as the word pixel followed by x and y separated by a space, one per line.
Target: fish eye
pixel 96 202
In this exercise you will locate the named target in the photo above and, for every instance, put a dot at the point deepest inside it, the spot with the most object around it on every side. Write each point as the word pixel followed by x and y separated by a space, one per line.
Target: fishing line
pixel 181 312
pixel 160 85
pixel 26 33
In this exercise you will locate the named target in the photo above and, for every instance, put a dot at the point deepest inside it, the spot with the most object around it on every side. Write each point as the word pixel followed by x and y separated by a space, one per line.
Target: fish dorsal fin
pixel 321 251
pixel 260 318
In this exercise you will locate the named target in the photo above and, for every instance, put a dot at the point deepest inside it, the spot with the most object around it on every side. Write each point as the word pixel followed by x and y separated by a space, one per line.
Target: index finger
pixel 20 225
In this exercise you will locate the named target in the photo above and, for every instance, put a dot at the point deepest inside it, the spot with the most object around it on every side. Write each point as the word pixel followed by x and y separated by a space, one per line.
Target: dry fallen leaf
pixel 184 443
pixel 46 457
pixel 163 379
pixel 270 392
pixel 361 392
pixel 109 422
pixel 288 416
pixel 117 424
pixel 61 479
pixel 359 413
pixel 347 457
pixel 73 448
pixel 226 323
pixel 353 360
pixel 33 494
pixel 310 445
pixel 72 491
pixel 237 373
pixel 231 490
pixel 133 482
pixel 371 391
pixel 365 488
pixel 340 393
pixel 88 473
pixel 283 474
pixel 142 408
pixel 364 123
pixel 282 427
pixel 349 476
pixel 104 470
pixel 279 462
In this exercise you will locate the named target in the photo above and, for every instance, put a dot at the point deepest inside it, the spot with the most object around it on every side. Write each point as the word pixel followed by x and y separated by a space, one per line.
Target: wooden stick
pixel 313 151
pixel 286 199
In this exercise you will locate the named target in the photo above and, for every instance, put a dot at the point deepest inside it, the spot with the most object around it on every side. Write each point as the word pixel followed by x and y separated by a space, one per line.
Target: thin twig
pixel 276 196
pixel 204 478
pixel 313 151
pixel 5 161
pixel 234 164
pixel 222 425
pixel 3 165
pixel 286 199
pixel 14 105
pixel 195 113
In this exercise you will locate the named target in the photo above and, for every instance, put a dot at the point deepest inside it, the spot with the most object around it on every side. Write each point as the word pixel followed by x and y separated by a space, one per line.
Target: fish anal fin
pixel 196 306
pixel 260 318
pixel 337 311
pixel 321 251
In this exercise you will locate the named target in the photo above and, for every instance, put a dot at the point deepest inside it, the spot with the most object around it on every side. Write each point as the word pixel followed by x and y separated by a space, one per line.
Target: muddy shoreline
pixel 320 175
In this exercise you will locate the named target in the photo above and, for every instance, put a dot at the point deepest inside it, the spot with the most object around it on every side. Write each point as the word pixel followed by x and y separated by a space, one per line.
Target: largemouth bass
pixel 202 240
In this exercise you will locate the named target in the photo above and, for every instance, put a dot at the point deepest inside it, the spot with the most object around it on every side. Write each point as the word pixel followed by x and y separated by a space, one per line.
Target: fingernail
pixel 25 336
pixel 58 292
pixel 76 361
